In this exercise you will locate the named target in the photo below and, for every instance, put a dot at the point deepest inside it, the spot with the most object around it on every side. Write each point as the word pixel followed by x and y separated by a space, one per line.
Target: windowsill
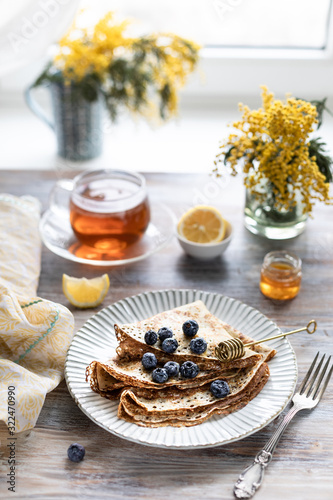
pixel 265 54
pixel 186 144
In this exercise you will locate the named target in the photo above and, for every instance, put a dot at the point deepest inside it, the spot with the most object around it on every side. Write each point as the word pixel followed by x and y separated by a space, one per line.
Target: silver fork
pixel 307 397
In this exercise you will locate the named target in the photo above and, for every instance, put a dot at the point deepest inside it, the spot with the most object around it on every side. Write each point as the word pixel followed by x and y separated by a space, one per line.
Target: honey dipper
pixel 231 349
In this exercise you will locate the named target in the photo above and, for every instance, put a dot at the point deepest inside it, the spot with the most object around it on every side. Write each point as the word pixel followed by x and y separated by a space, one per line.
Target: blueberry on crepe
pixel 149 360
pixel 219 388
pixel 169 345
pixel 190 328
pixel 189 369
pixel 172 368
pixel 165 333
pixel 198 345
pixel 151 337
pixel 160 375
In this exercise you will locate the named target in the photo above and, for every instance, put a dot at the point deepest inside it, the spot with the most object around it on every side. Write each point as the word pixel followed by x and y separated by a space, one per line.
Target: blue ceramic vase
pixel 77 123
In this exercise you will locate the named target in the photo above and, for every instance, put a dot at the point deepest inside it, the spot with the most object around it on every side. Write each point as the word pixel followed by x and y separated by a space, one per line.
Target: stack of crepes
pixel 179 401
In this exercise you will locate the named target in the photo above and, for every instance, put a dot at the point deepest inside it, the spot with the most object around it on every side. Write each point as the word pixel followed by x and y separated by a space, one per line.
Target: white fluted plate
pixel 96 339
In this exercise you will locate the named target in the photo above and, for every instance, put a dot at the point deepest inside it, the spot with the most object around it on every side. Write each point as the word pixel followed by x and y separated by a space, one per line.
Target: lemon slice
pixel 83 292
pixel 202 224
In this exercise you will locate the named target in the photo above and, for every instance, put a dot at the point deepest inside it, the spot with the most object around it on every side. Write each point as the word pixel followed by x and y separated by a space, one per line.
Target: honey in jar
pixel 281 275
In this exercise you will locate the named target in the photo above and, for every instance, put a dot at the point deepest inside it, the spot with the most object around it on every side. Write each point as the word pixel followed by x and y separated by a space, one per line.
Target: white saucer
pixel 58 236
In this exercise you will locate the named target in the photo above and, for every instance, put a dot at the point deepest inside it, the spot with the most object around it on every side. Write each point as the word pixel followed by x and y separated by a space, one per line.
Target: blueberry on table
pixel 151 337
pixel 149 360
pixel 190 328
pixel 172 368
pixel 219 388
pixel 160 375
pixel 169 345
pixel 189 369
pixel 198 345
pixel 165 333
pixel 76 452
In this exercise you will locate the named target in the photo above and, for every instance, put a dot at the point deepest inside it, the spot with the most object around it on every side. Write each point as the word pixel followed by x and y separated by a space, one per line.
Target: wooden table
pixel 302 467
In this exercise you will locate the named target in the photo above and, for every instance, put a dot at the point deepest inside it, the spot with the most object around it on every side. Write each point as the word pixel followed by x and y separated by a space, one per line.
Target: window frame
pixel 265 53
pixel 305 72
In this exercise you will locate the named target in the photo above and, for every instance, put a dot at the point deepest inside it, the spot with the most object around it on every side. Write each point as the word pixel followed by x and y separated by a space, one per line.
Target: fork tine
pixel 306 378
pixel 315 386
pixel 322 390
pixel 309 386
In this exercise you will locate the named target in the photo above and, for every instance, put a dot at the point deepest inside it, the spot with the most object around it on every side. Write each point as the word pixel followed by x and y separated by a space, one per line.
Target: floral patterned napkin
pixel 34 333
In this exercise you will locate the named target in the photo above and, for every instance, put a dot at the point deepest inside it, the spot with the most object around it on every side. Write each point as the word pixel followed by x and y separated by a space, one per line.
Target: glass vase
pixel 262 218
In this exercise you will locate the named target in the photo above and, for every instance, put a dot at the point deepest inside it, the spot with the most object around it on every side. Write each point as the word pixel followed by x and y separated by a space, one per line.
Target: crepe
pixel 192 406
pixel 107 378
pixel 179 401
pixel 132 344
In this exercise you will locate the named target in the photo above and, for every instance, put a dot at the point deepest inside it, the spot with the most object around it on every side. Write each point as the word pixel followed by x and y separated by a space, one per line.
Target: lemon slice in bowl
pixel 85 293
pixel 202 224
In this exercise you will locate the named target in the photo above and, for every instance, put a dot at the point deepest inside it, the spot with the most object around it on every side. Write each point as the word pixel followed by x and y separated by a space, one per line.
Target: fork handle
pixel 251 478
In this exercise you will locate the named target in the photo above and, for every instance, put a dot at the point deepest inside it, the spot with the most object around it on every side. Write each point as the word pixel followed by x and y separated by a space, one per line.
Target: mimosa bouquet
pixel 136 73
pixel 277 152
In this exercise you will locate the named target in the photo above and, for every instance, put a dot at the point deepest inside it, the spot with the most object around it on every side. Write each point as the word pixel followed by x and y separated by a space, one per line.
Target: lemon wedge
pixel 85 293
pixel 202 224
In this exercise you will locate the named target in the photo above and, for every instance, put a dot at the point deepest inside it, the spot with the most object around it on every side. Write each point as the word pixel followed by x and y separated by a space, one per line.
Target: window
pixel 295 24
pixel 246 43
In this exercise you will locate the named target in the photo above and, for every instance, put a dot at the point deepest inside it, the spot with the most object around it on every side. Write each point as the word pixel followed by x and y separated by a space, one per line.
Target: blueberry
pixel 160 375
pixel 189 369
pixel 172 368
pixel 169 345
pixel 190 328
pixel 219 388
pixel 165 333
pixel 150 337
pixel 149 360
pixel 76 452
pixel 198 345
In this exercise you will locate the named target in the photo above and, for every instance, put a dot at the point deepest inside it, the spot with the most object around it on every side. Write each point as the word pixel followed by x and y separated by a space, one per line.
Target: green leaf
pixel 324 162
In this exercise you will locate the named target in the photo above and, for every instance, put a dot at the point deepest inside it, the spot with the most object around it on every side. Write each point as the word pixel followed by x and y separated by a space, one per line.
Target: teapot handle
pixel 36 108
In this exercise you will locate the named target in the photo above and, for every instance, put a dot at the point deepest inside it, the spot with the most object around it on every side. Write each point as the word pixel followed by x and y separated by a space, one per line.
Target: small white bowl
pixel 206 251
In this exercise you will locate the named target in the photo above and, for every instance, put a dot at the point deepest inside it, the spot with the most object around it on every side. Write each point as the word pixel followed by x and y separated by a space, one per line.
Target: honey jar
pixel 281 275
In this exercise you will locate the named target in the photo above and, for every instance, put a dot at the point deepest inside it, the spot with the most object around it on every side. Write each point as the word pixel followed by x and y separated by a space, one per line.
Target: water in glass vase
pixel 262 218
